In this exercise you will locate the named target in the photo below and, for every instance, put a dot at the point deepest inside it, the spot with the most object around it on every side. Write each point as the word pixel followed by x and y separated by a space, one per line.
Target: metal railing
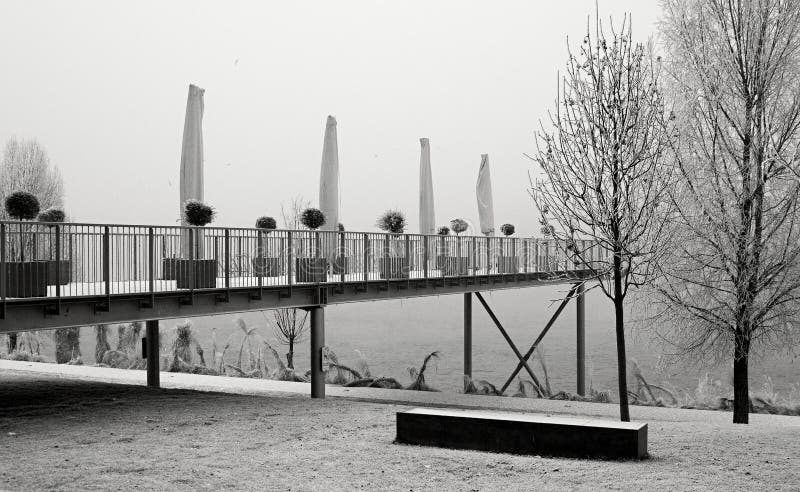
pixel 70 259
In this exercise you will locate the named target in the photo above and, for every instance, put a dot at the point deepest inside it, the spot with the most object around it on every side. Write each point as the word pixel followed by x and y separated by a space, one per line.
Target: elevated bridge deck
pixel 58 275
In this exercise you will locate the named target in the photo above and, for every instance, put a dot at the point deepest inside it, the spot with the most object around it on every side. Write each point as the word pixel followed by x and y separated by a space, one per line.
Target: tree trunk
pixel 12 342
pixel 290 355
pixel 622 368
pixel 741 385
pixel 67 344
pixel 101 342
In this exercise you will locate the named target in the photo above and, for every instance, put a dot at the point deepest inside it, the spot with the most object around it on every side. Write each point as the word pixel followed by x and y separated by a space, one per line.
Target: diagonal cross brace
pixel 528 354
pixel 522 362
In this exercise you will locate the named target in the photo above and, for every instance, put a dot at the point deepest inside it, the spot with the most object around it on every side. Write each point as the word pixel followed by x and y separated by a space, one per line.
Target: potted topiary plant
pixel 458 226
pixel 507 263
pixel 265 265
pixel 58 270
pixel 24 277
pixel 443 231
pixel 395 264
pixel 194 272
pixel 311 265
pixel 453 263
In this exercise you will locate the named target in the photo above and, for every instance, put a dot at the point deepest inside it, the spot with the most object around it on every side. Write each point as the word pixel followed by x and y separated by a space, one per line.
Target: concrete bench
pixel 520 433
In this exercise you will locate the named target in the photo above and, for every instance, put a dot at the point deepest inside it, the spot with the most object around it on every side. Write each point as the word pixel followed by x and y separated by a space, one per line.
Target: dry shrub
pixel 418 375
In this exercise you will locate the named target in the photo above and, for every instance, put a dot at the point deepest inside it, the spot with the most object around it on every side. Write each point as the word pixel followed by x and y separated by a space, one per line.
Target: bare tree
pixel 605 172
pixel 289 325
pixel 732 284
pixel 26 167
pixel 291 212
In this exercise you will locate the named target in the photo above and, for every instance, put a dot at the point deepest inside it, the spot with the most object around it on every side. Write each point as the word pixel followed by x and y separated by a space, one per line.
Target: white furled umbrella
pixel 191 157
pixel 329 188
pixel 329 177
pixel 427 216
pixel 484 194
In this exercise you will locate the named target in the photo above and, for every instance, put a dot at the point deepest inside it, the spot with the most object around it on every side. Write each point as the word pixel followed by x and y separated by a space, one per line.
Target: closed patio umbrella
pixel 427 217
pixel 484 195
pixel 329 187
pixel 191 177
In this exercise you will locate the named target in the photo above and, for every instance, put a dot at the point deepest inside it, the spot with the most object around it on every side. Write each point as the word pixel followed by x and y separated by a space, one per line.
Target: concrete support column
pixel 468 334
pixel 317 342
pixel 151 343
pixel 580 304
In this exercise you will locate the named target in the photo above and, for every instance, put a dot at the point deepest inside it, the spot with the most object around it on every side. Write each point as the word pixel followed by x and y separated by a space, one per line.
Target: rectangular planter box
pixel 26 279
pixel 453 266
pixel 266 267
pixel 311 270
pixel 398 268
pixel 507 264
pixel 169 268
pixel 64 269
pixel 520 433
pixel 179 269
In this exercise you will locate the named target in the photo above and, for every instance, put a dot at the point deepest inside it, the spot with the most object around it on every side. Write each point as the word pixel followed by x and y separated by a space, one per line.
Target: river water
pixel 394 335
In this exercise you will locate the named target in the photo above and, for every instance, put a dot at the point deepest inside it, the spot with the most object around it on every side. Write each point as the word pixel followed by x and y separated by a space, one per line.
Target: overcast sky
pixel 103 85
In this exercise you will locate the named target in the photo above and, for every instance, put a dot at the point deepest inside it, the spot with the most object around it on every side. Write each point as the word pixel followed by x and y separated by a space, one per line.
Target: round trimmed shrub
pixel 51 215
pixel 22 205
pixel 266 222
pixel 393 221
pixel 507 229
pixel 313 218
pixel 443 231
pixel 198 213
pixel 341 227
pixel 458 226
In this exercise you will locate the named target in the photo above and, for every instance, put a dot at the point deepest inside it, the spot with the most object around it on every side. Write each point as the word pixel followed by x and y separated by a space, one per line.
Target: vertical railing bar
pixel 366 257
pixel 227 247
pixel 342 257
pixel 58 262
pixel 289 265
pixel 106 261
pixel 425 254
pixel 151 269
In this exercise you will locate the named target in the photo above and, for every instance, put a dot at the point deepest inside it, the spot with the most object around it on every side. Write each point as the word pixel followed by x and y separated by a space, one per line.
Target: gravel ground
pixel 69 434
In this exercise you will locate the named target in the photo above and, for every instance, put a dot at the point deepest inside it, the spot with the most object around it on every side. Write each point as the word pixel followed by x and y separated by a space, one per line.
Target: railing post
pixel 386 257
pixel 425 254
pixel 289 262
pixel 107 261
pixel 58 262
pixel 135 239
pixel 191 258
pixel 228 259
pixel 525 246
pixel 474 255
pixel 342 257
pixel 488 255
pixel 408 256
pixel 151 261
pixel 458 256
pixel 366 257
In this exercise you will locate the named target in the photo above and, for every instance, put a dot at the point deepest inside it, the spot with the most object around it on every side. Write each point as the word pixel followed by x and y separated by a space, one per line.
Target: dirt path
pixel 67 434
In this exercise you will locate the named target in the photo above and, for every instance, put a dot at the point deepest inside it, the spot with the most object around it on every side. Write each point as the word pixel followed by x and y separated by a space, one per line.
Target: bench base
pixel 519 433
